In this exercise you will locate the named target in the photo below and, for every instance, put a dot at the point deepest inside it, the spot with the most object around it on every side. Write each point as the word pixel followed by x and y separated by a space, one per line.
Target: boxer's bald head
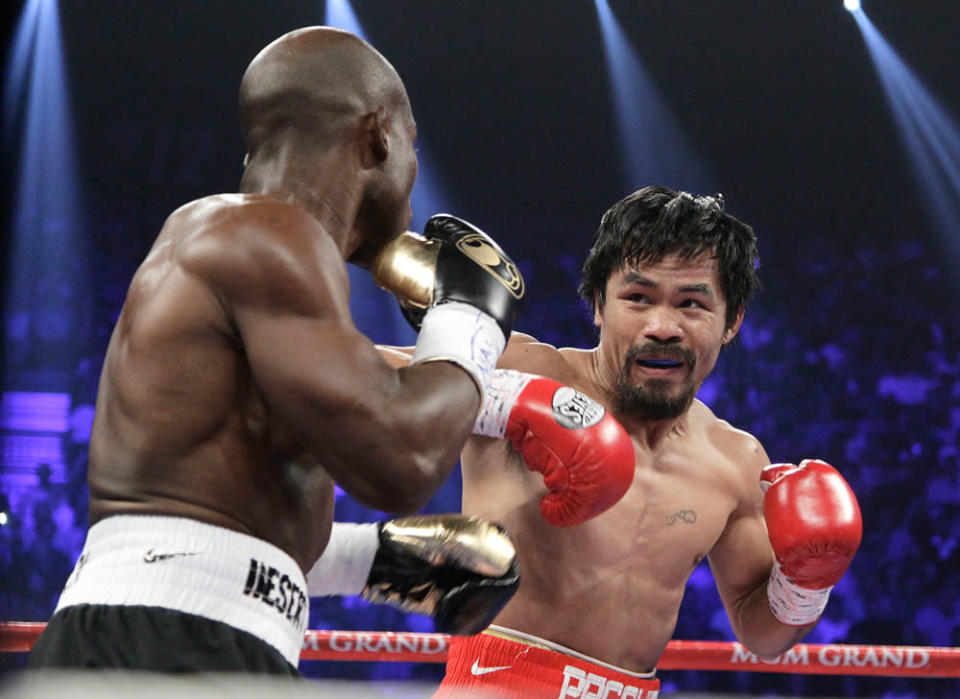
pixel 327 121
pixel 313 83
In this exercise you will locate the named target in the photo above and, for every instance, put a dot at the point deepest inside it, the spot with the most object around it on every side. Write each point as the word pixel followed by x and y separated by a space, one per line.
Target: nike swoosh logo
pixel 151 557
pixel 477 670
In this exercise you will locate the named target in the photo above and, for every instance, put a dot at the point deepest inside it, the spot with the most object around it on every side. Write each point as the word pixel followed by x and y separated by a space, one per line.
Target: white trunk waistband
pixel 531 640
pixel 196 568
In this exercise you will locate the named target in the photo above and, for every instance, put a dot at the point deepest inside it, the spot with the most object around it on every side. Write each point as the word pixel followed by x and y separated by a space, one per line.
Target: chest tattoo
pixel 685 516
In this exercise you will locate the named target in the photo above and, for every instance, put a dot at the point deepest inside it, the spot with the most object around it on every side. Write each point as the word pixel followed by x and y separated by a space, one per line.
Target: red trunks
pixel 500 663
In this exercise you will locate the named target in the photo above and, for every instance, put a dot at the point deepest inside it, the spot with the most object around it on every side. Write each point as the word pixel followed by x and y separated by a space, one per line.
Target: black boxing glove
pixel 455 285
pixel 473 269
pixel 452 261
pixel 457 569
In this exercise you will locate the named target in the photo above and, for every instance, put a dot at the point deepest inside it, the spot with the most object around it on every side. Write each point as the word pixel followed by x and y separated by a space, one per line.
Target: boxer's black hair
pixel 654 222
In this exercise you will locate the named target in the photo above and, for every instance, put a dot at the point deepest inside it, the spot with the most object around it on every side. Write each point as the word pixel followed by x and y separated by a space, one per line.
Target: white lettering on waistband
pixel 579 683
pixel 194 568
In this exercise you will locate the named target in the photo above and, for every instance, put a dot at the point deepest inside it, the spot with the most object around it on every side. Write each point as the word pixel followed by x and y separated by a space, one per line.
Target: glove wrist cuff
pixel 462 334
pixel 503 389
pixel 346 562
pixel 794 605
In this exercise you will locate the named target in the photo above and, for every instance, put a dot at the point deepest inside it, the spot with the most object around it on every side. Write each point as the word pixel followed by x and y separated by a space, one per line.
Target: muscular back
pixel 181 427
pixel 612 587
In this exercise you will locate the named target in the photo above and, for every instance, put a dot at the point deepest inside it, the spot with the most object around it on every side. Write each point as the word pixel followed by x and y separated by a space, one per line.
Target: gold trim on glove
pixel 406 268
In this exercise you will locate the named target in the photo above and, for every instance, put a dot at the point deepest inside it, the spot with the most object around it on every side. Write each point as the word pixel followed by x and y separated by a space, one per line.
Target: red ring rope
pixel 804 658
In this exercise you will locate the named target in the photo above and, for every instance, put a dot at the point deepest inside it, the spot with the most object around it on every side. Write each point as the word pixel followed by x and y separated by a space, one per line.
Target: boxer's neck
pixel 329 187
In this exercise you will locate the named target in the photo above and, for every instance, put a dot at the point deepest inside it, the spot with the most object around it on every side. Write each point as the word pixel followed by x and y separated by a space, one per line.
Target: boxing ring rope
pixel 804 658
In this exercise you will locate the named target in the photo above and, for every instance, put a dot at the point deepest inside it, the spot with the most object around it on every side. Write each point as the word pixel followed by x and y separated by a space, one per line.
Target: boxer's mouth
pixel 660 360
pixel 656 363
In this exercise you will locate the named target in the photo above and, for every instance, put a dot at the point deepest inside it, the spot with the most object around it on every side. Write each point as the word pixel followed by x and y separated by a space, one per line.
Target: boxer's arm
pixel 522 353
pixel 389 437
pixel 585 456
pixel 741 562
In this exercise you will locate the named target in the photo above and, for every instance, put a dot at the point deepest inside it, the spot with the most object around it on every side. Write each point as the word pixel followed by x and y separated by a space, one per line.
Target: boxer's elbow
pixel 408 482
pixel 395 457
pixel 757 629
pixel 768 648
pixel 767 638
pixel 420 481
pixel 402 467
pixel 424 471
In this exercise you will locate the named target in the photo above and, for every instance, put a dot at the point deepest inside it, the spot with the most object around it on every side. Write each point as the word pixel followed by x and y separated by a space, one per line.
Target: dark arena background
pixel 831 128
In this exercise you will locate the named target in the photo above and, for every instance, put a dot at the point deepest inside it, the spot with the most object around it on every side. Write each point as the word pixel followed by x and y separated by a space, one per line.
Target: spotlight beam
pixel 655 148
pixel 930 137
pixel 47 281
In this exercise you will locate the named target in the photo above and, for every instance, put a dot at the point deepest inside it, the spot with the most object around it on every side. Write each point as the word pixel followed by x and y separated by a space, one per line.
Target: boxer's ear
pixel 733 329
pixel 374 130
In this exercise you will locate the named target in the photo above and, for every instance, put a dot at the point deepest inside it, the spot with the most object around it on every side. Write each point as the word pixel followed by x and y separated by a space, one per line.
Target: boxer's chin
pixel 654 399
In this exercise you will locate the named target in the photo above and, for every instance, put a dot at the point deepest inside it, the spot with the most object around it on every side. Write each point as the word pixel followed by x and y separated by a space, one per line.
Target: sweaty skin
pixel 236 389
pixel 611 587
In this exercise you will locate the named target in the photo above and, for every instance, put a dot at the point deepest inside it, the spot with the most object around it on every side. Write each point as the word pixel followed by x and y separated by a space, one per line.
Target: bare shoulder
pixel 526 353
pixel 254 249
pixel 740 448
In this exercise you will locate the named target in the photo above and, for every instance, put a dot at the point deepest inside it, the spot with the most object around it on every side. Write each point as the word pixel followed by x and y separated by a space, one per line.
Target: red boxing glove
pixel 815 528
pixel 584 454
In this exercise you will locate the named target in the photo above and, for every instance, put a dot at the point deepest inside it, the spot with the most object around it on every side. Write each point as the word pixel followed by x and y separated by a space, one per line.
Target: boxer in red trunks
pixel 668 279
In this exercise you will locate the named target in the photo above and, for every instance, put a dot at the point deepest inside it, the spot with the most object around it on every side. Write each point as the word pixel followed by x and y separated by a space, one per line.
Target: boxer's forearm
pixel 760 631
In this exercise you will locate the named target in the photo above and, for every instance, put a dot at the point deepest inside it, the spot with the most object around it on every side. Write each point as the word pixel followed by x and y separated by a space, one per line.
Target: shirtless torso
pixel 668 277
pixel 219 403
pixel 181 426
pixel 611 587
pixel 236 388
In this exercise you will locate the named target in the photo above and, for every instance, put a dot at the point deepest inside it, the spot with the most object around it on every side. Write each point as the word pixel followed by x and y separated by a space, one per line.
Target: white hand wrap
pixel 459 333
pixel 794 605
pixel 503 389
pixel 345 565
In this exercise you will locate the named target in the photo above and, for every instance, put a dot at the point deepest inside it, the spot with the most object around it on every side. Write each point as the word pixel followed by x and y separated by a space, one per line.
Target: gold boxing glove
pixel 405 267
pixel 453 261
pixel 459 570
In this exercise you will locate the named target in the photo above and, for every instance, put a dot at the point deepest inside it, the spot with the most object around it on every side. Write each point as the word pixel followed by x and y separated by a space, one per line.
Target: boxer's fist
pixel 452 261
pixel 815 528
pixel 585 456
pixel 460 570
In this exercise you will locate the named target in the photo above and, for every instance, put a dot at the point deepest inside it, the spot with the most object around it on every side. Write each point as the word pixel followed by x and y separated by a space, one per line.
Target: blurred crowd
pixel 856 362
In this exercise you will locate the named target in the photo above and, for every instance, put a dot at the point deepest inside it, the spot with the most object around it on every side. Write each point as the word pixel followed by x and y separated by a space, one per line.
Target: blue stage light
pixel 47 277
pixel 654 148
pixel 930 136
pixel 340 14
